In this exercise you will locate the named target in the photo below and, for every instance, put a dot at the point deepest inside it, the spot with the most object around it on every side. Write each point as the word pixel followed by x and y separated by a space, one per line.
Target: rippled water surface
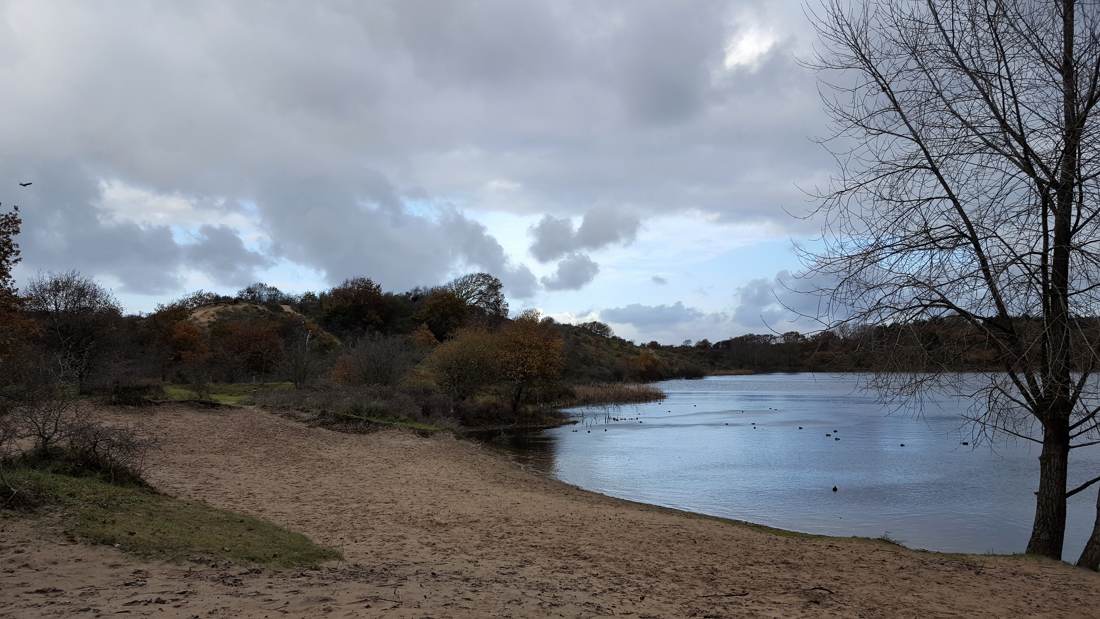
pixel 732 446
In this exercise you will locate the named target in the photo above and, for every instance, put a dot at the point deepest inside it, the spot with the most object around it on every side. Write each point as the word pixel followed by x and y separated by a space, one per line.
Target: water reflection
pixel 769 449
pixel 532 450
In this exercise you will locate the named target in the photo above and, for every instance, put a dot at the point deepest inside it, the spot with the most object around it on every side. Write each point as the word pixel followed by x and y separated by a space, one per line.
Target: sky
pixel 635 162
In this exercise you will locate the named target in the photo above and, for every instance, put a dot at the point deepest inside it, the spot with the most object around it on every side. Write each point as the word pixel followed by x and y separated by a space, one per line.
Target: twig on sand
pixel 376 598
pixel 819 588
pixel 739 594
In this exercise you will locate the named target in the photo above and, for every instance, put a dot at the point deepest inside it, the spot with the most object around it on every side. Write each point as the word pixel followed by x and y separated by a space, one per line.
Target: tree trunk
pixel 1090 556
pixel 1049 530
pixel 517 398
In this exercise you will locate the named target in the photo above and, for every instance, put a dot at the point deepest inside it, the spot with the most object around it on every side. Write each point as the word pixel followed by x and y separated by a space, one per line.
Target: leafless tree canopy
pixel 76 312
pixel 968 156
pixel 483 291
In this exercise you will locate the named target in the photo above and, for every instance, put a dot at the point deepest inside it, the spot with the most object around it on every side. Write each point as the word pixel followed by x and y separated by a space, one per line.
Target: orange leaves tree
pixel 13 327
pixel 516 358
pixel 530 352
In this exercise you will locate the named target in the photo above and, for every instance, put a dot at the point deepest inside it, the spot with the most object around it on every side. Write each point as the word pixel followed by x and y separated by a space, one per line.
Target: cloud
pixel 786 302
pixel 657 279
pixel 478 249
pixel 669 323
pixel 221 254
pixel 651 316
pixel 556 237
pixel 573 272
pixel 61 231
pixel 373 154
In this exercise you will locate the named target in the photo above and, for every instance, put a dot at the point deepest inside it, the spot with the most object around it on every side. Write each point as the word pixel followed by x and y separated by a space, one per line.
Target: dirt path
pixel 439 527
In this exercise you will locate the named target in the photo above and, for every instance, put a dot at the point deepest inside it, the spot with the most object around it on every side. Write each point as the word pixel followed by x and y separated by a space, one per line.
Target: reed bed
pixel 600 394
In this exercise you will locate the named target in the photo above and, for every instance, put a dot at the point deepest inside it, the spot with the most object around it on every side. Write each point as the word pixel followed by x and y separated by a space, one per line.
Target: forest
pixel 451 353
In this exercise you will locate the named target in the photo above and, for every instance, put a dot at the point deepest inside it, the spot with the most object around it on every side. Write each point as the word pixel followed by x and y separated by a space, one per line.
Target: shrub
pixel 118 453
pixel 433 402
pixel 465 364
pixel 8 436
pixel 137 393
pixel 350 407
pixel 47 419
pixel 377 360
pixel 691 370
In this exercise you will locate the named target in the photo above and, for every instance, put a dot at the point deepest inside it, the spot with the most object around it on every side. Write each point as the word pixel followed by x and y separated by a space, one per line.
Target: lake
pixel 732 446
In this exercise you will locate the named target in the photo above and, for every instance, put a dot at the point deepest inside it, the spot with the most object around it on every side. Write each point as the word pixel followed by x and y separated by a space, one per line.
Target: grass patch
pixel 230 394
pixel 601 394
pixel 136 519
pixel 419 427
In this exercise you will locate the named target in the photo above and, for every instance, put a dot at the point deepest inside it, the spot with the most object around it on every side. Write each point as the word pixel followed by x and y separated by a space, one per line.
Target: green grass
pixel 230 394
pixel 138 520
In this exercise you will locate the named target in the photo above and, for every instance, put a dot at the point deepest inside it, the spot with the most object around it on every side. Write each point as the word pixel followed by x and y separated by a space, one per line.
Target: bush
pixel 465 364
pixel 47 419
pixel 8 436
pixel 377 360
pixel 135 393
pixel 117 453
pixel 65 440
pixel 691 371
pixel 433 402
pixel 359 407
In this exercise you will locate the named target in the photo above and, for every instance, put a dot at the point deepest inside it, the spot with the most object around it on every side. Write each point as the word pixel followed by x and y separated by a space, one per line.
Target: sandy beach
pixel 438 527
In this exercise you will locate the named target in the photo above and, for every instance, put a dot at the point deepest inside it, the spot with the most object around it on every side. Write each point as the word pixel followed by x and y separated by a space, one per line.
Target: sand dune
pixel 440 527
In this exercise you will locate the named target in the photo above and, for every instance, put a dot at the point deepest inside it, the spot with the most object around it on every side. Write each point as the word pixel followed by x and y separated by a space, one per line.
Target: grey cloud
pixel 573 272
pixel 657 279
pixel 62 231
pixel 220 253
pixel 477 248
pixel 669 323
pixel 556 237
pixel 652 316
pixel 365 228
pixel 553 238
pixel 787 301
pixel 621 105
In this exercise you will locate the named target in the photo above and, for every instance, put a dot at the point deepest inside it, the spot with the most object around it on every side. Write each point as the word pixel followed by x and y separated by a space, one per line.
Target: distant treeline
pixel 447 353
pixel 948 343
pixel 358 332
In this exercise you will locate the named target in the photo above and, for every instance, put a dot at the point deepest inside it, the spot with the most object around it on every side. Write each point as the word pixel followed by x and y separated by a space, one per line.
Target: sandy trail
pixel 439 527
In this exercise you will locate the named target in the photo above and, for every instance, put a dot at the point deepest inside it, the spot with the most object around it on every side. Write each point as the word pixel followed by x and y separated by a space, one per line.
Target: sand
pixel 438 527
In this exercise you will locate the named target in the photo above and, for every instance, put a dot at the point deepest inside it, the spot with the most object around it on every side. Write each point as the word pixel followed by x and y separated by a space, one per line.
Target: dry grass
pixel 613 393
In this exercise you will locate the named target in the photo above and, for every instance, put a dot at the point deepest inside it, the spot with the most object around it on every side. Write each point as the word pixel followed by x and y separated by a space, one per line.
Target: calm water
pixel 699 450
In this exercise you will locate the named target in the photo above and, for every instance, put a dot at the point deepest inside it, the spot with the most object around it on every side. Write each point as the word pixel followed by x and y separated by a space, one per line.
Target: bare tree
pixel 968 185
pixel 1090 556
pixel 300 362
pixel 77 315
pixel 482 291
pixel 47 418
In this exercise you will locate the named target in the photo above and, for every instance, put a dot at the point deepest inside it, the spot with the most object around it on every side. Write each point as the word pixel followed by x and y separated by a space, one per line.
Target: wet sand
pixel 437 527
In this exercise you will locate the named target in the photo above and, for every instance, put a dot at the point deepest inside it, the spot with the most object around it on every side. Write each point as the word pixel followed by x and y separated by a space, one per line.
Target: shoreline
pixel 445 527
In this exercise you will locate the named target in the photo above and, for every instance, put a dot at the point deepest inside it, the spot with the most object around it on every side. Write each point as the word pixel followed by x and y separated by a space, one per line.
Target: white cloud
pixel 748 47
